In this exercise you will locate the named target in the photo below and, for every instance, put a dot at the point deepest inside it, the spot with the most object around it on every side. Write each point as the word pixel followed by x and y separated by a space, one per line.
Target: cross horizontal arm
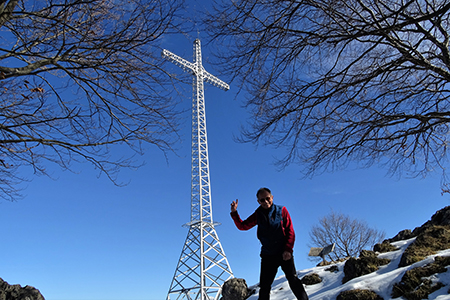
pixel 215 81
pixel 179 61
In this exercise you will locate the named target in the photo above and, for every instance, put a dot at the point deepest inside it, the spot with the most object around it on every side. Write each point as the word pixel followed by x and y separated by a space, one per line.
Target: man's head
pixel 265 198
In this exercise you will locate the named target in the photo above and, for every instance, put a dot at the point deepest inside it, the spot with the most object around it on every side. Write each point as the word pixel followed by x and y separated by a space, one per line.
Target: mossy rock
pixel 235 289
pixel 414 284
pixel 311 279
pixel 358 295
pixel 431 240
pixel 384 247
pixel 367 263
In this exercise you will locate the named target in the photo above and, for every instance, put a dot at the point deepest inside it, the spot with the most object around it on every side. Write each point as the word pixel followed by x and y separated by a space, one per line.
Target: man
pixel 277 236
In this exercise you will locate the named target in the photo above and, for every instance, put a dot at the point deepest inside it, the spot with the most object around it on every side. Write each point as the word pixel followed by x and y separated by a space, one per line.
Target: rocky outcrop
pixel 17 292
pixel 434 238
pixel 440 218
pixel 416 284
pixel 401 236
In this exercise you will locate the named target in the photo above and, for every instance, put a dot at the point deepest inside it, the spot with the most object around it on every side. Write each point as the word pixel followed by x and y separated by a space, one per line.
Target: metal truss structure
pixel 203 267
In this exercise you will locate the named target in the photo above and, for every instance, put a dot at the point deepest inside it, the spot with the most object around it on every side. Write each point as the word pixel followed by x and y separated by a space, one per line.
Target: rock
pixel 234 289
pixel 368 262
pixel 385 246
pixel 16 292
pixel 358 295
pixel 311 279
pixel 368 254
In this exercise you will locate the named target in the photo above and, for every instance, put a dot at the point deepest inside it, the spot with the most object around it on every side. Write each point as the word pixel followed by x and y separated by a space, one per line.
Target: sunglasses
pixel 264 199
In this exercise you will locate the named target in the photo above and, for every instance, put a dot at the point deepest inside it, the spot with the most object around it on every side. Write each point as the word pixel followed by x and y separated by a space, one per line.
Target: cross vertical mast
pixel 203 267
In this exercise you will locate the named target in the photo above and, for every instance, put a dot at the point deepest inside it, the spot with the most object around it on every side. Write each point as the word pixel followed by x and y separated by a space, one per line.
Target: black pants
pixel 269 268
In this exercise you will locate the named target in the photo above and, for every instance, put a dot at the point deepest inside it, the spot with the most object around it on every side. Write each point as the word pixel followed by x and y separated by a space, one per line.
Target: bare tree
pixel 349 235
pixel 342 81
pixel 79 76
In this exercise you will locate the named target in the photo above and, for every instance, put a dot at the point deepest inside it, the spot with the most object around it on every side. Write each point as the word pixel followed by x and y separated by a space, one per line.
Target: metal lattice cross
pixel 203 267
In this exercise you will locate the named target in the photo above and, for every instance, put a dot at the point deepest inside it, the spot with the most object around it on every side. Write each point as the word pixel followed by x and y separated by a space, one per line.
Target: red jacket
pixel 267 230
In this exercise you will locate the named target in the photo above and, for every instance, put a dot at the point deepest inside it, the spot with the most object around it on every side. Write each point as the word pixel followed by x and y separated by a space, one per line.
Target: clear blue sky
pixel 79 237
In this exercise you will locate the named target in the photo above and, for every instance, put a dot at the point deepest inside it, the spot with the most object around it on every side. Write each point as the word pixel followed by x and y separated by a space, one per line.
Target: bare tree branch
pixel 335 82
pixel 349 235
pixel 77 77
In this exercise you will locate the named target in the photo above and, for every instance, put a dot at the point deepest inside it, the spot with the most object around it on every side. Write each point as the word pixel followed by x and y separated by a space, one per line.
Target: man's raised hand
pixel 234 205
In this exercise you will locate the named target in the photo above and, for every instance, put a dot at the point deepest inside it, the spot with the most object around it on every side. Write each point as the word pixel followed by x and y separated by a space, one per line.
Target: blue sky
pixel 79 237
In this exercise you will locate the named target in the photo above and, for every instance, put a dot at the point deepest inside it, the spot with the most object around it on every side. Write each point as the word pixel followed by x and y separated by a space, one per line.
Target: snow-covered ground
pixel 380 281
